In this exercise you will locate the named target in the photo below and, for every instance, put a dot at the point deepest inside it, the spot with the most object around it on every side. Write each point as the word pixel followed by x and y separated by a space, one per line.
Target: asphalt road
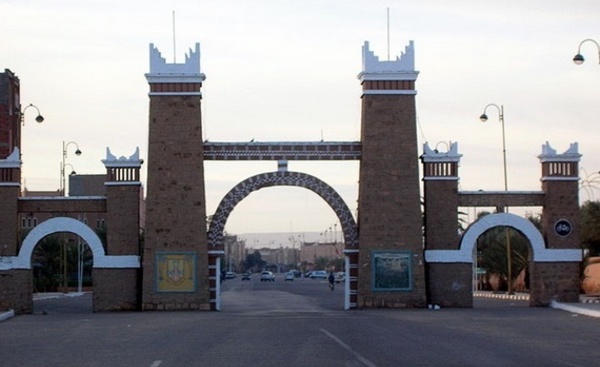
pixel 298 324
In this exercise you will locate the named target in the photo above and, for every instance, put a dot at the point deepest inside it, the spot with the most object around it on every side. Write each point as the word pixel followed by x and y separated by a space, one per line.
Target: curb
pixel 7 315
pixel 575 309
pixel 516 296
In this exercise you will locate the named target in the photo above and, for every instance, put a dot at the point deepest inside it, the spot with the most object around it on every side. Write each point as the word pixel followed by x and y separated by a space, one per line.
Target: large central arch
pixel 282 178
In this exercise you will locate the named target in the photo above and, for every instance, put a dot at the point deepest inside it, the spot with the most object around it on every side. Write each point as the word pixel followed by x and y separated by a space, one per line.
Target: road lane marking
pixel 155 363
pixel 362 359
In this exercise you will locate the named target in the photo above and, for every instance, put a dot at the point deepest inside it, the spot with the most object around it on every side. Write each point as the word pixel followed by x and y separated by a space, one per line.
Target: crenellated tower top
pixel 175 78
pixel 389 76
pixel 560 167
pixel 440 165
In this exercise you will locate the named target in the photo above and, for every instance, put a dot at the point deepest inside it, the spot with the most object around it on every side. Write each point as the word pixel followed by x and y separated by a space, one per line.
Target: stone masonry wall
pixel 116 289
pixel 389 197
pixel 441 215
pixel 562 202
pixel 16 291
pixel 9 220
pixel 123 219
pixel 555 281
pixel 175 206
pixel 450 285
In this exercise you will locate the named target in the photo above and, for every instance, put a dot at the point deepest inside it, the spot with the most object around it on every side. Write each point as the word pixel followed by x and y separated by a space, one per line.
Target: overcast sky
pixel 287 70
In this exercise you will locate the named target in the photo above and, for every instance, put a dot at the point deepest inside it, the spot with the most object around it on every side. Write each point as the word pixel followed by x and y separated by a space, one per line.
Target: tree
pixel 492 254
pixel 254 262
pixel 321 263
pixel 590 227
pixel 46 263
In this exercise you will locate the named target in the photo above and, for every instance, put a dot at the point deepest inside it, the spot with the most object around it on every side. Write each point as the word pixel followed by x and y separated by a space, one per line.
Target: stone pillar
pixel 117 289
pixel 448 284
pixel 175 261
pixel 391 269
pixel 10 186
pixel 560 224
pixel 16 291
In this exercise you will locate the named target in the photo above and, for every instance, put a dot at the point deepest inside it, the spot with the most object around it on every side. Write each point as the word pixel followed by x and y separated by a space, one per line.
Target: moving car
pixel 289 276
pixel 267 276
pixel 246 276
pixel 340 276
pixel 229 275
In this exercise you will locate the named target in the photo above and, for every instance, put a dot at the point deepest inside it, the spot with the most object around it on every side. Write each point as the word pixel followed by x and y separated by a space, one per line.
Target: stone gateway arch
pixel 282 178
pixel 397 254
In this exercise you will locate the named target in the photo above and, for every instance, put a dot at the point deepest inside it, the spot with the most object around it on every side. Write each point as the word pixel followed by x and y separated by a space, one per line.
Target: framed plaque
pixel 175 271
pixel 392 270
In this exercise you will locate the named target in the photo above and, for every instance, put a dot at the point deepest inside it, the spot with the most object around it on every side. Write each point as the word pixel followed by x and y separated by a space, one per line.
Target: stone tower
pixel 175 263
pixel 560 224
pixel 389 215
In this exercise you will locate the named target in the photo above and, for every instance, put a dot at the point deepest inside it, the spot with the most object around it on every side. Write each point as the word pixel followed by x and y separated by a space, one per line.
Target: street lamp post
pixel 484 118
pixel 64 164
pixel 578 59
pixel 39 118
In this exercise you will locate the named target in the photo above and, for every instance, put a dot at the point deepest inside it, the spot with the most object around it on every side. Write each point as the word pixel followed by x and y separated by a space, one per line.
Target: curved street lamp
pixel 39 118
pixel 484 118
pixel 579 59
pixel 64 164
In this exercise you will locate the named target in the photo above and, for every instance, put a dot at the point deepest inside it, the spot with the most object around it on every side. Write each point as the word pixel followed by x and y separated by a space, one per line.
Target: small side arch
pixel 282 178
pixel 66 224
pixel 469 240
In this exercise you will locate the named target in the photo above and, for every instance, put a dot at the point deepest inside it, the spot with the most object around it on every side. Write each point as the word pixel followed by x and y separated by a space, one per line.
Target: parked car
pixel 246 276
pixel 320 274
pixel 289 276
pixel 340 276
pixel 229 275
pixel 267 276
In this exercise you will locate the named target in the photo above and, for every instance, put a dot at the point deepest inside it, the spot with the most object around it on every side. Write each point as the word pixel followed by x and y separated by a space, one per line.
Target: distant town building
pixel 235 253
pixel 311 251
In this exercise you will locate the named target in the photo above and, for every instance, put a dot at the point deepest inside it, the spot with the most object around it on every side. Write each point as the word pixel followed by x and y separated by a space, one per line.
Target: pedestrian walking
pixel 331 279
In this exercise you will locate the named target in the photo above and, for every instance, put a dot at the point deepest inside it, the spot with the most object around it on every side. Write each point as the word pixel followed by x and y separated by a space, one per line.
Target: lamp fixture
pixel 578 59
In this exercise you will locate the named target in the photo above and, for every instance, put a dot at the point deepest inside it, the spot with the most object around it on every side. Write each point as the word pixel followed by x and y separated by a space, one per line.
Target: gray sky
pixel 286 70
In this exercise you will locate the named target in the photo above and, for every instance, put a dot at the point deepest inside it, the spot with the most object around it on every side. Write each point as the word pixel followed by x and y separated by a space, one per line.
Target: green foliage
pixel 590 227
pixel 47 261
pixel 254 262
pixel 492 250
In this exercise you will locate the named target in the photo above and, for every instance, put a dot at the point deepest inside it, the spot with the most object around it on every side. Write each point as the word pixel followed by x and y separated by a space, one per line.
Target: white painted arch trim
pixel 65 224
pixel 469 240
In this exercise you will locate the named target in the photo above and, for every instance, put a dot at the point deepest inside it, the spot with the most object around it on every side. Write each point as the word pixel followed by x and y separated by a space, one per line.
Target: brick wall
pixel 389 197
pixel 555 281
pixel 9 220
pixel 450 285
pixel 562 202
pixel 16 291
pixel 175 204
pixel 123 219
pixel 441 215
pixel 116 289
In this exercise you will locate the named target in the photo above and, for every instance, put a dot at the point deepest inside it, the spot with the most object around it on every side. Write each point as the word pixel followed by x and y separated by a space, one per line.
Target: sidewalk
pixel 587 305
pixel 5 315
